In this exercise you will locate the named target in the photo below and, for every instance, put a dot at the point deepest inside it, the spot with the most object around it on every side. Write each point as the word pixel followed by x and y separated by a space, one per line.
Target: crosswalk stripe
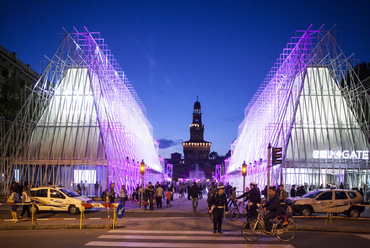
pixel 215 237
pixel 365 236
pixel 169 232
pixel 203 245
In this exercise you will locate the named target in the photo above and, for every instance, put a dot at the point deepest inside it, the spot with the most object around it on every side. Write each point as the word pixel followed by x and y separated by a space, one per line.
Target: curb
pixel 100 226
pixel 45 227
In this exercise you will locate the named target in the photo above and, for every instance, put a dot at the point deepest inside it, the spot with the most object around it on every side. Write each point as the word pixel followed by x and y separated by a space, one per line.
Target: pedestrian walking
pixel 219 208
pixel 150 193
pixel 172 189
pixel 14 198
pixel 26 200
pixel 194 193
pixel 78 189
pixel 112 194
pixel 168 197
pixel 282 194
pixel 293 191
pixel 123 195
pixel 232 199
pixel 159 195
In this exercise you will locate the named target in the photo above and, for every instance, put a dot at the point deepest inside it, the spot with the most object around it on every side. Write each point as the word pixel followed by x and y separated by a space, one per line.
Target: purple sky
pixel 174 51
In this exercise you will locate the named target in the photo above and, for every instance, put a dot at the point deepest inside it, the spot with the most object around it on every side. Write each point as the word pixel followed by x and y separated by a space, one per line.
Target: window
pixel 56 194
pixel 352 194
pixel 86 176
pixel 312 194
pixel 325 196
pixel 340 195
pixel 5 73
pixel 42 193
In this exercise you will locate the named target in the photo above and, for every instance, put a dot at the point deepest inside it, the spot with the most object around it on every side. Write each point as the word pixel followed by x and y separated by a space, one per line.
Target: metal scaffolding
pixel 310 104
pixel 83 123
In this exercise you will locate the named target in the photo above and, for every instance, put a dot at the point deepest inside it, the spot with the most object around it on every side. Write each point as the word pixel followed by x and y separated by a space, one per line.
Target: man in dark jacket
pixel 273 206
pixel 292 191
pixel 194 193
pixel 254 199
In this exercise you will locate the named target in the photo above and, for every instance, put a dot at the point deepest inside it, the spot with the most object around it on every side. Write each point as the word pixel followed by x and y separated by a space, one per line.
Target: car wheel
pixel 353 213
pixel 305 211
pixel 73 209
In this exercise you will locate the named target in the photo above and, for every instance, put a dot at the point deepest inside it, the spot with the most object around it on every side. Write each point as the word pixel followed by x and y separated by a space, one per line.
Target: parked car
pixel 57 199
pixel 340 200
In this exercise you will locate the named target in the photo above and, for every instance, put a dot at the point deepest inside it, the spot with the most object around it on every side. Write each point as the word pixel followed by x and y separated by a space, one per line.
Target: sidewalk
pixel 182 208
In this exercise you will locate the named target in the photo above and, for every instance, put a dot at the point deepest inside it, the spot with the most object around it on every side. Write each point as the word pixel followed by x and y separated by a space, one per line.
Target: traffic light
pixel 276 155
pixel 244 169
pixel 142 167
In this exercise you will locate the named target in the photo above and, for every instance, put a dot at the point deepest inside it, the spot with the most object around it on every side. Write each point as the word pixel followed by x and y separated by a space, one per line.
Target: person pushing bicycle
pixel 254 197
pixel 274 208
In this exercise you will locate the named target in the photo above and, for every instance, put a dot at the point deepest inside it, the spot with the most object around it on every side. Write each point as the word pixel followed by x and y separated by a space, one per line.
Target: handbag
pixel 11 198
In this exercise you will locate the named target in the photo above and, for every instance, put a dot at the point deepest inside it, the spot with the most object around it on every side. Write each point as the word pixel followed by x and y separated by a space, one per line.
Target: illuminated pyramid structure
pixel 82 122
pixel 314 107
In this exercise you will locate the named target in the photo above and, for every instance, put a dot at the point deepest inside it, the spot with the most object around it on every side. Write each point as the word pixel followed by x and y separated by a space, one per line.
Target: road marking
pixel 203 245
pixel 195 238
pixel 365 236
pixel 169 232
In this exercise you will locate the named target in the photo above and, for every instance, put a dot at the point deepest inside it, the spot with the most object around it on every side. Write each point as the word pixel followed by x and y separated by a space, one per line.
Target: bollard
pixel 82 216
pixel 108 226
pixel 114 217
pixel 33 212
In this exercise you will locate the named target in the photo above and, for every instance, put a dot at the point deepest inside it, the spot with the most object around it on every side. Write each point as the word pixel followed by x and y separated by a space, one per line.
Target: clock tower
pixel 196 148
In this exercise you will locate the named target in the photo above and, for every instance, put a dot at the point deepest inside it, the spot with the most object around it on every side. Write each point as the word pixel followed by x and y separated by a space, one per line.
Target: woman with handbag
pixel 14 198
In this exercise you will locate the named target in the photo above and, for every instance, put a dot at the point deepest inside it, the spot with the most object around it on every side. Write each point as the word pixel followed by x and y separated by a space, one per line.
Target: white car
pixel 339 200
pixel 57 199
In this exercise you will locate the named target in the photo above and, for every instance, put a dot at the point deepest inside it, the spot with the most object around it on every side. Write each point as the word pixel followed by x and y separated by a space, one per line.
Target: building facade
pixel 83 123
pixel 16 80
pixel 311 106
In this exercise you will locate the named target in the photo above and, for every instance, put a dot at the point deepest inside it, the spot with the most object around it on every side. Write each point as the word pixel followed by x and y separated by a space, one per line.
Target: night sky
pixel 174 51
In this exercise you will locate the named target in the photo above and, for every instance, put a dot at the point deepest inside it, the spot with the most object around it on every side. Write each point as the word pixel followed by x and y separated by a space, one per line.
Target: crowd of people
pixel 145 197
pixel 220 198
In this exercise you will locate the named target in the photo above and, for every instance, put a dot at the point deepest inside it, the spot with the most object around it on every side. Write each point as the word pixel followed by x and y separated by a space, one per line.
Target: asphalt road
pixel 133 237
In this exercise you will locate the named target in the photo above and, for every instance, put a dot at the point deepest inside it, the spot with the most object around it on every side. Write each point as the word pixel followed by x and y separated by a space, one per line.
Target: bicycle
pixel 252 229
pixel 234 213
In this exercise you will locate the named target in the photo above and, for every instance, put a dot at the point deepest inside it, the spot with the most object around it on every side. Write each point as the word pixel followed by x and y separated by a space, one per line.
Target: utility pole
pixel 244 173
pixel 268 170
pixel 142 171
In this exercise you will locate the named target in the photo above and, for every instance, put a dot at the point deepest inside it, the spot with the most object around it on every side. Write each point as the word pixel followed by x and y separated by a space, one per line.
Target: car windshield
pixel 69 193
pixel 312 194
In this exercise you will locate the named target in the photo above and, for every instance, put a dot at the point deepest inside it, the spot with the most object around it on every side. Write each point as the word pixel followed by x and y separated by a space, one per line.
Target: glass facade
pixel 312 105
pixel 83 123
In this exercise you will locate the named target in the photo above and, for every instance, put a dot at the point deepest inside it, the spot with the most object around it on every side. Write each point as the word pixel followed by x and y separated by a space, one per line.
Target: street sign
pixel 120 211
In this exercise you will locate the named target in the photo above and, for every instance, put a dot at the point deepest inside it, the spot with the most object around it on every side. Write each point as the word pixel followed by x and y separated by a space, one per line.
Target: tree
pixel 213 155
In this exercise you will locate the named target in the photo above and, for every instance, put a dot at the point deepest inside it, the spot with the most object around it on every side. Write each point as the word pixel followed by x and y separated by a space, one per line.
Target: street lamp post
pixel 142 171
pixel 244 173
